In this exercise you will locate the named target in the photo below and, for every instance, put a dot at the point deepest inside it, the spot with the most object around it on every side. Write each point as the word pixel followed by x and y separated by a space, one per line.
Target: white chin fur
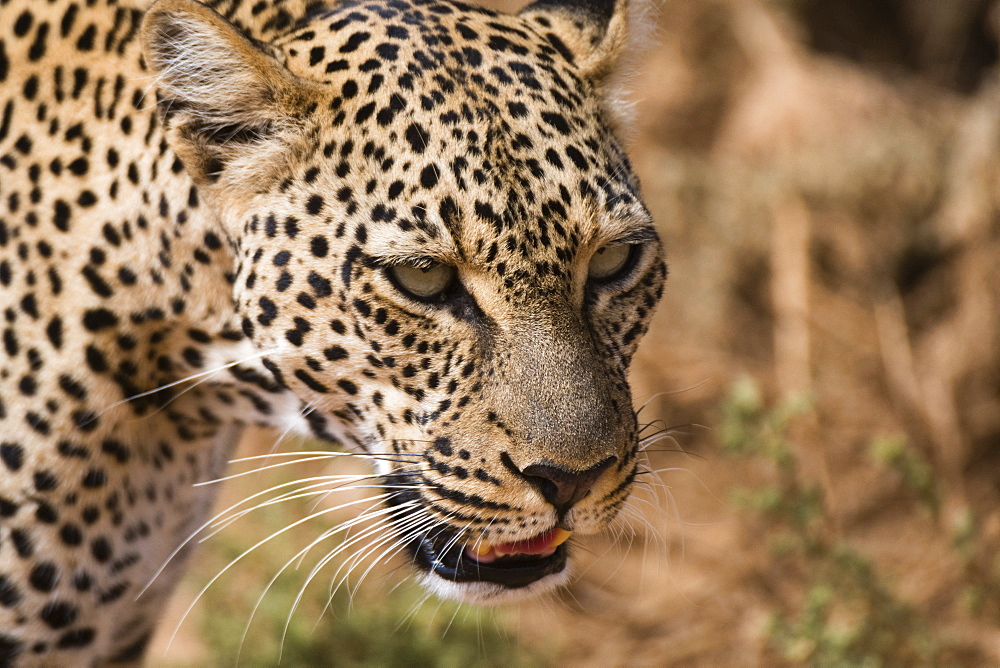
pixel 488 593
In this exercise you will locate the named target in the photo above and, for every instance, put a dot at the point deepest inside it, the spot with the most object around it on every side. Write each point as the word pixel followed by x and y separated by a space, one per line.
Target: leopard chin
pixel 490 593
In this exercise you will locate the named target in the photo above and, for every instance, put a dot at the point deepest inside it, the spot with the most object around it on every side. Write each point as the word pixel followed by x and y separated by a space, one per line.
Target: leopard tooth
pixel 560 537
pixel 480 548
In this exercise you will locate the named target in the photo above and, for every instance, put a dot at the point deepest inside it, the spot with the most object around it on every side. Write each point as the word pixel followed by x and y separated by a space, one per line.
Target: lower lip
pixel 510 574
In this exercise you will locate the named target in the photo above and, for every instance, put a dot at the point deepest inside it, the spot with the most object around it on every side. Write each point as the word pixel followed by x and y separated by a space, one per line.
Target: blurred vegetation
pixel 848 614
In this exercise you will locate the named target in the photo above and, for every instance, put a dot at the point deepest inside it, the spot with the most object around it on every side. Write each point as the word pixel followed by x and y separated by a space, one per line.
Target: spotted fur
pixel 218 195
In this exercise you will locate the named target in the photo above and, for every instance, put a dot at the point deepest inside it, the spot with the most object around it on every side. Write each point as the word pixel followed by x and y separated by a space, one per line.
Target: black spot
pixel 71 535
pixel 314 205
pixel 44 576
pixel 558 121
pixel 101 549
pixel 10 595
pixel 320 285
pixel 387 51
pixel 45 513
pixel 97 284
pixel 86 39
pixel 316 54
pixel 98 319
pixel 334 353
pixel 38 423
pixel 10 647
pixel 54 331
pixel 268 311
pixel 574 154
pixel 61 216
pixel 12 455
pixel 311 382
pixel 79 166
pixel 7 508
pixel 443 445
pixel 354 41
pixel 96 360
pixel 27 385
pixel 23 543
pixel 319 246
pixel 23 23
pixel 37 49
pixel 418 137
pixel 95 478
pixel 45 481
pixel 58 614
pixel 429 177
pixel 364 113
pixel 76 638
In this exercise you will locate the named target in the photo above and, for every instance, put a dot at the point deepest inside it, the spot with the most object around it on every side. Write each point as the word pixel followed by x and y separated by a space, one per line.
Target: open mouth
pixel 512 565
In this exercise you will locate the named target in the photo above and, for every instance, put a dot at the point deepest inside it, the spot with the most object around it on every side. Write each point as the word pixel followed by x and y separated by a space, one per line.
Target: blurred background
pixel 826 364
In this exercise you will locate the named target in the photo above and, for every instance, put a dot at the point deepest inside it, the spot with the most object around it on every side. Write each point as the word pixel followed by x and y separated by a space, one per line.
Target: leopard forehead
pixel 455 133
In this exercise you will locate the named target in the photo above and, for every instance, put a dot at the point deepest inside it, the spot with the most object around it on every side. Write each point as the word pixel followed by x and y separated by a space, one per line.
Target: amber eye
pixel 610 261
pixel 422 282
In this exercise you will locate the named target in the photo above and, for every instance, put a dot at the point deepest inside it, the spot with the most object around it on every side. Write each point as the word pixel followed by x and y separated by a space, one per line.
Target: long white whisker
pixel 233 562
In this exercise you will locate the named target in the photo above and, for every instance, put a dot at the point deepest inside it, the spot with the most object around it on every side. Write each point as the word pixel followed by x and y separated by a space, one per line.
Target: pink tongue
pixel 535 545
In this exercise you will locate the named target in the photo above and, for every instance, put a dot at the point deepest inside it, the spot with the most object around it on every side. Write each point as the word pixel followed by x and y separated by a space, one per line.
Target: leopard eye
pixel 610 261
pixel 422 282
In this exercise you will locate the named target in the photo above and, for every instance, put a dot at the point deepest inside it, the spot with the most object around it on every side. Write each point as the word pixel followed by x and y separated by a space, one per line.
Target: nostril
pixel 563 487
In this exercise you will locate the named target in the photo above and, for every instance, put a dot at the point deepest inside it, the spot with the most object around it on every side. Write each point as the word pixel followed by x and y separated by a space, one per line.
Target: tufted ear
pixel 599 37
pixel 222 97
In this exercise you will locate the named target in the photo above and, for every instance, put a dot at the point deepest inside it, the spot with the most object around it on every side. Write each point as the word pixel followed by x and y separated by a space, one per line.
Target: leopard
pixel 406 229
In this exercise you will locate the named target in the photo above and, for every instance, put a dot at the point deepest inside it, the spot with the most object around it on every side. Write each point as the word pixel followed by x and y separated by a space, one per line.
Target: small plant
pixel 848 615
pixel 981 570
pixel 895 453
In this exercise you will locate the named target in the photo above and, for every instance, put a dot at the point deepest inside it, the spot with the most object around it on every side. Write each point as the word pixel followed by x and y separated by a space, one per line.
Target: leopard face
pixel 441 249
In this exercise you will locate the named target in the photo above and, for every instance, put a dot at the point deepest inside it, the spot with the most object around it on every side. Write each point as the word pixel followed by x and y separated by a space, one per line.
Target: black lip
pixel 439 550
pixel 513 572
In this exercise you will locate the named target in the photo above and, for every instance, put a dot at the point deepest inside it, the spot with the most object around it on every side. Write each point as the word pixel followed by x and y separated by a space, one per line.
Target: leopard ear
pixel 221 96
pixel 598 37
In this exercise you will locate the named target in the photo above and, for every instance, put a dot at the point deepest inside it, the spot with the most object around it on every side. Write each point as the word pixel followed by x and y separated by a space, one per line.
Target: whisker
pixel 242 555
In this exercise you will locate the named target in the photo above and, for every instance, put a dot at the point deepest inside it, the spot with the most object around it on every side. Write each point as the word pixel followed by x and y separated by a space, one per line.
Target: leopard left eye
pixel 424 283
pixel 612 262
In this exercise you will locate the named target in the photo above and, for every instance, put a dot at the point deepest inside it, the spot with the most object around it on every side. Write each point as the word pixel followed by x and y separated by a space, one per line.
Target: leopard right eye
pixel 611 262
pixel 423 283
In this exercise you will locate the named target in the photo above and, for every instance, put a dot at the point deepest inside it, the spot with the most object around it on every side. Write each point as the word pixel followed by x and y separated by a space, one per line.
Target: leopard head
pixel 440 247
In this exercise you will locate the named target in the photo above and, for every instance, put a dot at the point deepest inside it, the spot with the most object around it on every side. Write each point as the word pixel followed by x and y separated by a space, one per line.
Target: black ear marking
pixel 591 34
pixel 595 12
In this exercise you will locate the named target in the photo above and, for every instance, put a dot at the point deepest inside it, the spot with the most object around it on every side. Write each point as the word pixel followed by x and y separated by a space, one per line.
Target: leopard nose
pixel 563 487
